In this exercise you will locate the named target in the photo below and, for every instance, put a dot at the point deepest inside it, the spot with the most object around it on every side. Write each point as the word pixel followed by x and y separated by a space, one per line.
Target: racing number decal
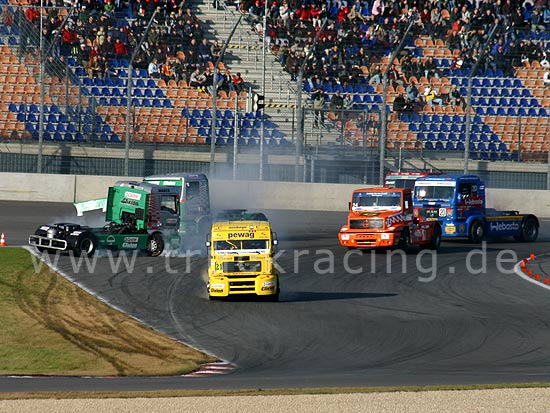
pixel 219 266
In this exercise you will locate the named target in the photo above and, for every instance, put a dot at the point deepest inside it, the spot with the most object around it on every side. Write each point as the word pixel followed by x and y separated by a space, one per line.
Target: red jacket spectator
pixel 343 13
pixel 304 13
pixel 32 14
pixel 120 48
pixel 69 36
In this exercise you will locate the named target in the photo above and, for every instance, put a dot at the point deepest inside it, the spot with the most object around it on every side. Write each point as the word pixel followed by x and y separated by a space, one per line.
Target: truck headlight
pixel 384 236
pixel 217 286
pixel 268 284
pixel 51 233
pixel 345 237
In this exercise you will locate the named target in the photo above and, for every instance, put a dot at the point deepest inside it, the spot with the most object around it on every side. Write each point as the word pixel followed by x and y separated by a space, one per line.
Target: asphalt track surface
pixel 403 325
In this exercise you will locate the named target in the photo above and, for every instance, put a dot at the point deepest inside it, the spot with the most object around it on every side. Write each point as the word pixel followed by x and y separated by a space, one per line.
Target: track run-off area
pixel 345 319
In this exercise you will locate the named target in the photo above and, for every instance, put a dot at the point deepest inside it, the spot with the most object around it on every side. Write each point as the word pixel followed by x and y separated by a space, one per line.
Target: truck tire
pixel 529 231
pixel 85 246
pixel 435 242
pixel 405 240
pixel 155 245
pixel 477 232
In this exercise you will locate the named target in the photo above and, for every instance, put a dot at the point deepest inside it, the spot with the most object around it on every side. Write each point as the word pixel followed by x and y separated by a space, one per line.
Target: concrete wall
pixel 239 194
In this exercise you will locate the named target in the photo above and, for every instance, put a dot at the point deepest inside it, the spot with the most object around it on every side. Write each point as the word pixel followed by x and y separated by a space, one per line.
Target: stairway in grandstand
pixel 244 54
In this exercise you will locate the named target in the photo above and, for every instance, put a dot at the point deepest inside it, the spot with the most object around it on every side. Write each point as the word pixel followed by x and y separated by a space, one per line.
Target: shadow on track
pixel 303 296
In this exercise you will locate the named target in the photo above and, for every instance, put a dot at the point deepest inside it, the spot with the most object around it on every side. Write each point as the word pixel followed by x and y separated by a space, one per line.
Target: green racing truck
pixel 139 216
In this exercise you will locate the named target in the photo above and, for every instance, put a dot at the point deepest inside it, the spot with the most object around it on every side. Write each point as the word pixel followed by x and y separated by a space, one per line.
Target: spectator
pixel 412 93
pixel 108 47
pixel 238 83
pixel 94 68
pixel 400 104
pixel 153 69
pixel 120 48
pixel 348 102
pixel 431 97
pixel 204 51
pixel 167 71
pixel 455 98
pixel 546 78
pixel 197 79
pixel 376 75
pixel 336 102
pixel 395 78
pixel 83 55
pixel 318 97
pixel 179 70
pixel 215 50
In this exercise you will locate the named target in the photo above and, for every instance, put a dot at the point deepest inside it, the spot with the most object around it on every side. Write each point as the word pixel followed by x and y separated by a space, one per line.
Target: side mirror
pixel 207 243
pixel 349 206
pixel 275 242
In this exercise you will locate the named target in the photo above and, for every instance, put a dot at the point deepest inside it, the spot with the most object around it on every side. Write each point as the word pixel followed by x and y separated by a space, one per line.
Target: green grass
pixel 52 327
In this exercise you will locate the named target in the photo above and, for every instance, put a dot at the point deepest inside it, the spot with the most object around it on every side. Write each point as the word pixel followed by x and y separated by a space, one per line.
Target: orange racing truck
pixel 382 218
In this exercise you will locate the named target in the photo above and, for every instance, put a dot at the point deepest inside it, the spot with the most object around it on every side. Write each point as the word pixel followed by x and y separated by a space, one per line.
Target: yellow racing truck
pixel 241 252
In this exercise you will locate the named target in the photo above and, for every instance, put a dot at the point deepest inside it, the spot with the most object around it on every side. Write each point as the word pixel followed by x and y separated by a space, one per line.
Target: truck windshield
pixel 241 245
pixel 400 182
pixel 364 201
pixel 434 192
pixel 169 203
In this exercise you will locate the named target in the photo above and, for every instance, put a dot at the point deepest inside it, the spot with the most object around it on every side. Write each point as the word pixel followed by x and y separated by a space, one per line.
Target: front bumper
pixel 49 243
pixel 368 239
pixel 230 285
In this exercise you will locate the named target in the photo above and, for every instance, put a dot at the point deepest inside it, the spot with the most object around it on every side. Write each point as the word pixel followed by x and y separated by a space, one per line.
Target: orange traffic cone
pixel 2 240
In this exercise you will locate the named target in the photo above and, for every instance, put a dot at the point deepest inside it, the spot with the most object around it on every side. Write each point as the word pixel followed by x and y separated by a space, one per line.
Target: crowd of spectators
pixel 101 34
pixel 358 33
pixel 354 37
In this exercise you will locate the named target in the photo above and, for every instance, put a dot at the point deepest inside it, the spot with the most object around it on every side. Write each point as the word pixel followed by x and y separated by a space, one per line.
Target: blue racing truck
pixel 458 203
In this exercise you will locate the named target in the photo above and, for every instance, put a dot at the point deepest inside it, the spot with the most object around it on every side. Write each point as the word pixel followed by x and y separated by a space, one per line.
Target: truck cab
pixel 383 217
pixel 403 179
pixel 458 203
pixel 195 214
pixel 241 253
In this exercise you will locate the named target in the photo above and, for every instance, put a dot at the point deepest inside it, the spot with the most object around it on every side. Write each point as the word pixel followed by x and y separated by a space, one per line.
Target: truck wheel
pixel 155 245
pixel 405 240
pixel 435 242
pixel 529 231
pixel 86 246
pixel 477 232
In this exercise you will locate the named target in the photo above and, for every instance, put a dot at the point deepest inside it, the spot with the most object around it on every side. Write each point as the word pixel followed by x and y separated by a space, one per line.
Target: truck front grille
pixel 242 266
pixel 366 223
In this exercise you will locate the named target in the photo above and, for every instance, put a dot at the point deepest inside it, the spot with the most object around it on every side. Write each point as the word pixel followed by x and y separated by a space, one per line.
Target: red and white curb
pixel 529 275
pixel 212 369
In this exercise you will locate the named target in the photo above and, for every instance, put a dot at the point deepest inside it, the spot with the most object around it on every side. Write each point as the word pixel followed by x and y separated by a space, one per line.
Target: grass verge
pixel 52 327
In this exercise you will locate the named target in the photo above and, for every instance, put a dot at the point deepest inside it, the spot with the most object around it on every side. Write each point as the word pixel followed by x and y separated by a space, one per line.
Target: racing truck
pixel 404 179
pixel 457 202
pixel 383 218
pixel 240 259
pixel 194 195
pixel 195 214
pixel 139 216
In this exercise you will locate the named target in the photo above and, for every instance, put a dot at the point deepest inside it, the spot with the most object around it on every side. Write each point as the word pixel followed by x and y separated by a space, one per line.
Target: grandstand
pixel 83 105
